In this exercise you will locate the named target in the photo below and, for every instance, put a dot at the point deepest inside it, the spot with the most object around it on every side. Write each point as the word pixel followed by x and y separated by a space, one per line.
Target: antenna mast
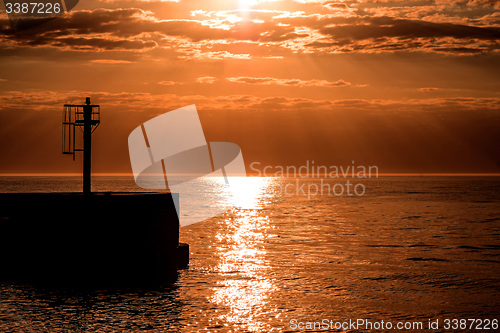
pixel 86 117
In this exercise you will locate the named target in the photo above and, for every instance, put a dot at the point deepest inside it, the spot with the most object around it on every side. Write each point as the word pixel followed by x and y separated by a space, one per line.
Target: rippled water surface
pixel 411 248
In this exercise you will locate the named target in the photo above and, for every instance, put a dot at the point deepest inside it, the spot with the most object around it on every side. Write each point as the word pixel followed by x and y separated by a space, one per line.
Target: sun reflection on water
pixel 248 192
pixel 245 285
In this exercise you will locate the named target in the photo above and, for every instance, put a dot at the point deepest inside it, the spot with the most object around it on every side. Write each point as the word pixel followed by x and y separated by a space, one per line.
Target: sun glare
pixel 246 192
pixel 247 4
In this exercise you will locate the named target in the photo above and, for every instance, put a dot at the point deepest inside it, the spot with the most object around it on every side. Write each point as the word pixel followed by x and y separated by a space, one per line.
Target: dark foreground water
pixel 409 250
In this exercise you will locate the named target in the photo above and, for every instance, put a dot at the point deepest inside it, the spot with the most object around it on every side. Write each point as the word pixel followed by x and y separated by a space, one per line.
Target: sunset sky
pixel 410 86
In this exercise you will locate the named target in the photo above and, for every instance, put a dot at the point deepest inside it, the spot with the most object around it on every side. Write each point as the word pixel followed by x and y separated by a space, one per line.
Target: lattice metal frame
pixel 73 117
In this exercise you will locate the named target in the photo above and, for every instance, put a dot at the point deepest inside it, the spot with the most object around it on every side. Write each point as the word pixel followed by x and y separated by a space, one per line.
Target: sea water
pixel 410 249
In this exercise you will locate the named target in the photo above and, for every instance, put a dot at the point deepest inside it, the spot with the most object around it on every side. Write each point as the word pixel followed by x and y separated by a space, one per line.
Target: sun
pixel 247 4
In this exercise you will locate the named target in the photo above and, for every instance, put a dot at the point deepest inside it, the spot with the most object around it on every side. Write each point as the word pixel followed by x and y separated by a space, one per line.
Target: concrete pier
pixel 76 238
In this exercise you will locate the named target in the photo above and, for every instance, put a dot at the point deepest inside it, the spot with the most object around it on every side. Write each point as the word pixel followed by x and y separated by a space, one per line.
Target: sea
pixel 408 254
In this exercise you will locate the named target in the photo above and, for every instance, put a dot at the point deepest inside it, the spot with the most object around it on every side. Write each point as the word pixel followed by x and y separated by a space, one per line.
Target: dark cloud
pixel 376 27
pixel 134 29
pixel 47 100
pixel 291 82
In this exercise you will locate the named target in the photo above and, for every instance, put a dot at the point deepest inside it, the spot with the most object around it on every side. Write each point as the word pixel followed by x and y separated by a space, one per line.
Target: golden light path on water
pixel 246 286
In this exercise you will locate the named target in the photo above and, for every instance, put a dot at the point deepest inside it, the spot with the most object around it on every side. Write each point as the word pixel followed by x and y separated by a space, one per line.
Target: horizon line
pixel 387 174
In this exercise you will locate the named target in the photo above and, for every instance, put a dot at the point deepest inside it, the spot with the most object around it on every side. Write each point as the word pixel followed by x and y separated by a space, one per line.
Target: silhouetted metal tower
pixel 86 117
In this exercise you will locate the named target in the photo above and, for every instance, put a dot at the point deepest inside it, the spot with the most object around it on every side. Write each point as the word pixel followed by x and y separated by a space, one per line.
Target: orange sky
pixel 409 86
